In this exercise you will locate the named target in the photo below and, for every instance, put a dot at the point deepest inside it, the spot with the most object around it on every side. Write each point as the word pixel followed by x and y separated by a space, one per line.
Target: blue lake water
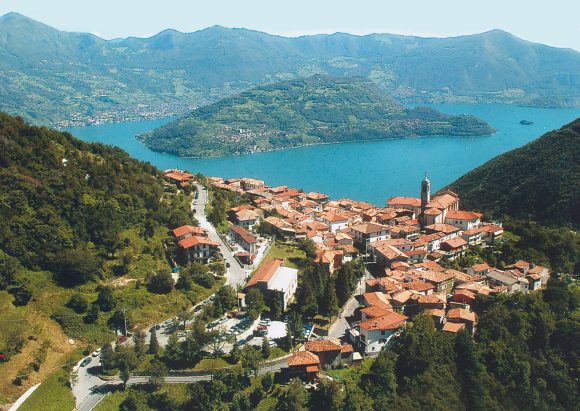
pixel 369 171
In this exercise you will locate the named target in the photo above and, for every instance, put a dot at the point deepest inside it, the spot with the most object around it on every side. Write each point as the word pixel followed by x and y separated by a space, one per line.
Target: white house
pixel 335 221
pixel 376 333
pixel 366 233
pixel 466 220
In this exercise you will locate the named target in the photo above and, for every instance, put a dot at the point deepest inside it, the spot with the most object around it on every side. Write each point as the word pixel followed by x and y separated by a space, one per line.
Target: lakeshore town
pixel 405 247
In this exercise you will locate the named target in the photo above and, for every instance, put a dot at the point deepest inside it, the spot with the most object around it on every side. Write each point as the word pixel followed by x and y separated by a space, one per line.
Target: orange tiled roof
pixel 462 215
pixel 461 314
pixel 453 327
pixel 408 201
pixel 242 232
pixel 265 272
pixel 321 346
pixel 443 228
pixel 188 229
pixel 368 228
pixel 303 358
pixel 194 240
pixel 390 321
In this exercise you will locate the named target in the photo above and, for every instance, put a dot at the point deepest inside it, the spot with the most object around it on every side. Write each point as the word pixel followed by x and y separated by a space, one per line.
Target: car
pixel 227 264
pixel 86 362
pixel 157 326
pixel 96 353
pixel 272 344
pixel 181 334
pixel 243 341
pixel 122 339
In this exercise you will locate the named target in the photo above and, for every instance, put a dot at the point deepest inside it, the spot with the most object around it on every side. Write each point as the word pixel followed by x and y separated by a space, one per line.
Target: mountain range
pixel 314 110
pixel 539 181
pixel 57 77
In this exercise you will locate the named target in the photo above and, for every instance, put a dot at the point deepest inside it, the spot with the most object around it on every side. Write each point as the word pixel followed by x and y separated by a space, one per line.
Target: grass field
pixel 287 251
pixel 52 395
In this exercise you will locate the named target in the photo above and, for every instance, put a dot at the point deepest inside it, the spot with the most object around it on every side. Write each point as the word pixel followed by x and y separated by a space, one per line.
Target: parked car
pixel 122 339
pixel 96 353
pixel 86 362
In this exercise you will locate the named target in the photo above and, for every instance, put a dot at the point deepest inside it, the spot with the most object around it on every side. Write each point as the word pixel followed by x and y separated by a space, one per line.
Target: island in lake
pixel 295 113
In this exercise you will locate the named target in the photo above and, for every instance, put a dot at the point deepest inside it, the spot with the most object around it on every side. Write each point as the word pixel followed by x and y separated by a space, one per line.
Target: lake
pixel 369 171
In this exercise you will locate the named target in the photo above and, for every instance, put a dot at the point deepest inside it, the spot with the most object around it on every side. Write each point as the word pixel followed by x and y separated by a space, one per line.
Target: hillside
pixel 53 77
pixel 540 180
pixel 294 113
pixel 81 229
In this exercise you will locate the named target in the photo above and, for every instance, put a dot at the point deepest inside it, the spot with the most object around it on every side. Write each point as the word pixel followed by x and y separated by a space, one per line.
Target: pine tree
pixel 329 306
pixel 265 348
pixel 153 343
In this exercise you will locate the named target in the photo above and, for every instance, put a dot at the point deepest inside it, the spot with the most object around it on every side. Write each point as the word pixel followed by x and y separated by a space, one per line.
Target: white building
pixel 284 282
pixel 373 335
pixel 466 220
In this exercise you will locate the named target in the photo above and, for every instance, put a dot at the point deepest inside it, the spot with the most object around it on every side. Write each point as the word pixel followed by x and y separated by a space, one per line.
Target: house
pixel 464 297
pixel 275 280
pixel 241 236
pixel 197 248
pixel 246 218
pixel 331 259
pixel 304 364
pixel 462 316
pixel 408 203
pixel 375 334
pixel 331 353
pixel 543 272
pixel 448 231
pixel 185 231
pixel 478 269
pixel 178 177
pixel 453 327
pixel 377 299
pixel 248 184
pixel 454 247
pixel 465 220
pixel 500 278
pixel 491 233
pixel 366 233
pixel 335 221
pixel 443 282
pixel 317 197
pixel 386 254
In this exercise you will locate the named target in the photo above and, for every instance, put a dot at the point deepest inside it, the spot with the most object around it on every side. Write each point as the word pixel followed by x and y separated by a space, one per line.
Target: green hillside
pixel 53 77
pixel 294 113
pixel 81 230
pixel 539 181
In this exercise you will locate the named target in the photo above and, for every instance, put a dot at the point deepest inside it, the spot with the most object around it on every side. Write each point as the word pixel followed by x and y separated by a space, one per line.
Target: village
pixel 407 249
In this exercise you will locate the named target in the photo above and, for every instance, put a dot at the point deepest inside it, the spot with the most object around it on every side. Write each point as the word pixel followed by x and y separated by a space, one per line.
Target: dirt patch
pixel 121 282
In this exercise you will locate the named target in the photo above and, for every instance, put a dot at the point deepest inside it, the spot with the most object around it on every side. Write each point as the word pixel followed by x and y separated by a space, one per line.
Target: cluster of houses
pixel 407 241
pixel 194 244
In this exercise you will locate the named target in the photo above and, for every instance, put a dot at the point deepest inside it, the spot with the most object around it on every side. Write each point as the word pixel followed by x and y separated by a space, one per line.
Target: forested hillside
pixel 314 110
pixel 81 231
pixel 52 76
pixel 539 181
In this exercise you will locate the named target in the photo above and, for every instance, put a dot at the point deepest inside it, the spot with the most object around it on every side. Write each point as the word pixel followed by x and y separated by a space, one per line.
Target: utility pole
pixel 125 320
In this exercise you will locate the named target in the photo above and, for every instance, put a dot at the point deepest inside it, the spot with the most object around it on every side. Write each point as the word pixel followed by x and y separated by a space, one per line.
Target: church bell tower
pixel 425 197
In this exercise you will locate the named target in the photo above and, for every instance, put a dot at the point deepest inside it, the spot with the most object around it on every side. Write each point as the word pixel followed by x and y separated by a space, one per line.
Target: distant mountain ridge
pixel 314 110
pixel 539 181
pixel 52 76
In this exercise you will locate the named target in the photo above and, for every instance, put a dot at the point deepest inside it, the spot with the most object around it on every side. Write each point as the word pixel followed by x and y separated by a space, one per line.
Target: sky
pixel 553 22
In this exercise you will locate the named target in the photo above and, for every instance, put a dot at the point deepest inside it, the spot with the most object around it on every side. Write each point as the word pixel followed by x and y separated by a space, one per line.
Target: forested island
pixel 295 113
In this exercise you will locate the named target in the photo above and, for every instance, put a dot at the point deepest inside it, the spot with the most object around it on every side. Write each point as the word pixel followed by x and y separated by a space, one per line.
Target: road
pixel 341 324
pixel 89 388
pixel 236 274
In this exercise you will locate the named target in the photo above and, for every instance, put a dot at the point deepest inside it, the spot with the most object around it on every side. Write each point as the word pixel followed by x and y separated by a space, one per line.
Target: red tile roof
pixel 453 327
pixel 408 201
pixel 243 233
pixel 188 229
pixel 300 358
pixel 461 314
pixel 462 215
pixel 265 272
pixel 390 321
pixel 321 345
pixel 193 241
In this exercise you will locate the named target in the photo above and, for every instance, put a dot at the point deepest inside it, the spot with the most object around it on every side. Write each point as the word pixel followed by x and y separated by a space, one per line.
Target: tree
pixel 78 303
pixel 194 342
pixel 265 348
pixel 139 344
pixel 157 372
pixel 76 266
pixel 225 299
pixel 153 343
pixel 307 300
pixel 329 396
pixel 308 247
pixel 106 299
pixel 329 306
pixel 184 316
pixel 295 327
pixel 22 294
pixel 255 303
pixel 161 282
pixel 126 361
pixel 235 353
pixel 107 358
pixel 8 268
pixel 217 340
pixel 295 398
pixel 173 349
pixel 135 401
pixel 251 360
pixel 93 314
